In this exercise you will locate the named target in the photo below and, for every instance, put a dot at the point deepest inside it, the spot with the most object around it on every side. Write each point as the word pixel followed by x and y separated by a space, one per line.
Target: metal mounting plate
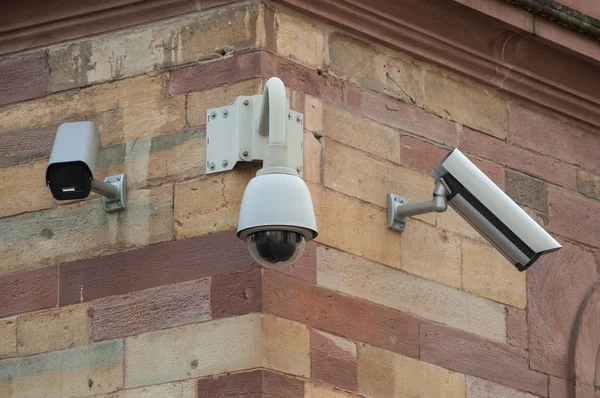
pixel 232 135
pixel 393 201
pixel 118 203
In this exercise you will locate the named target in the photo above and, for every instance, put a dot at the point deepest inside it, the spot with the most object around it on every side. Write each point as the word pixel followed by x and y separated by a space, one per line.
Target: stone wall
pixel 163 300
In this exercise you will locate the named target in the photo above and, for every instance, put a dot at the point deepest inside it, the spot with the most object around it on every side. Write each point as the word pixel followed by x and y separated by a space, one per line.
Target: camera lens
pixel 274 249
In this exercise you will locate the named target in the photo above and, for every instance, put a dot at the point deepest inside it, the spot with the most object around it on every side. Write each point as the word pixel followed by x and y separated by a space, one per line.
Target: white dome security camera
pixel 72 167
pixel 277 216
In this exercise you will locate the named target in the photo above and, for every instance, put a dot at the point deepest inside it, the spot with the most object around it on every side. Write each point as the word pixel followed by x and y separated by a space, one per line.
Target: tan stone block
pixel 157 160
pixel 286 346
pixel 82 230
pixel 387 375
pixel 201 101
pixel 374 67
pixel 423 298
pixel 476 106
pixel 588 184
pixel 24 188
pixel 479 388
pixel 313 154
pixel 354 226
pixel 299 38
pixel 8 337
pixel 138 51
pixel 315 389
pixel 210 204
pixel 224 345
pixel 488 274
pixel 76 372
pixel 352 129
pixel 431 253
pixel 54 329
pixel 184 389
pixel 53 109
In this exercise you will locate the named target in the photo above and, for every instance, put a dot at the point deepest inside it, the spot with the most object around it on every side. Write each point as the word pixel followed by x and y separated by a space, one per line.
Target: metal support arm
pixel 105 189
pixel 114 190
pixel 399 210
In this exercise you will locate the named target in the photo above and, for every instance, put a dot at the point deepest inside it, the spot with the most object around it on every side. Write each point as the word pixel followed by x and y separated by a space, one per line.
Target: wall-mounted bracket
pixel 232 135
pixel 398 210
pixel 114 191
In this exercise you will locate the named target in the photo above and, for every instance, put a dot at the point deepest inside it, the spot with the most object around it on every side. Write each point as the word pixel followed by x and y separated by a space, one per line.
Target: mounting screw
pixel 108 180
pixel 108 206
pixel 213 115
pixel 224 163
pixel 298 119
pixel 211 166
pixel 118 179
pixel 119 203
pixel 289 116
pixel 246 102
pixel 245 153
pixel 299 169
pixel 225 113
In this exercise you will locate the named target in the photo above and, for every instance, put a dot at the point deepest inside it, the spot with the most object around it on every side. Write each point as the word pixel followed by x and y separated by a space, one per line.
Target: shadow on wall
pixel 586 355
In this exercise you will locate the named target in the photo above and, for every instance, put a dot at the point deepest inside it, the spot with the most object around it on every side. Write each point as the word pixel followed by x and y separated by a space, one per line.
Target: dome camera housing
pixel 276 219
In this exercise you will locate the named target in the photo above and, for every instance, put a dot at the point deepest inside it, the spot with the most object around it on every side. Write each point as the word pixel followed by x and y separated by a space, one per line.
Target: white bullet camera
pixel 71 169
pixel 484 206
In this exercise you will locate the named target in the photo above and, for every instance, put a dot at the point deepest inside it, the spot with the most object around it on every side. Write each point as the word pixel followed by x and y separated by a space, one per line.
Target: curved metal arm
pixel 399 210
pixel 273 112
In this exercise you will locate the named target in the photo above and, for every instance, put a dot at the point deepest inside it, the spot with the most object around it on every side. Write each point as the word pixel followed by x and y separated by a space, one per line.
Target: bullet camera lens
pixel 274 249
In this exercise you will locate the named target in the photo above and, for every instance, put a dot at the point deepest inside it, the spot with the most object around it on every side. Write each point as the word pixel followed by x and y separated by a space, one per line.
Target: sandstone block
pixel 479 388
pixel 286 346
pixel 300 39
pixel 404 292
pixel 588 184
pixel 8 337
pixel 54 329
pixel 526 190
pixel 333 359
pixel 574 216
pixel 22 77
pixel 235 294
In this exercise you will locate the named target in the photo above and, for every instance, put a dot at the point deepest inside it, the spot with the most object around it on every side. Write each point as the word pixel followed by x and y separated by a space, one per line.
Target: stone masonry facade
pixel 162 300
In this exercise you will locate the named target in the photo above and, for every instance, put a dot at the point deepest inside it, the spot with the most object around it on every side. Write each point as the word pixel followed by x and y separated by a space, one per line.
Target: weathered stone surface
pixel 300 39
pixel 587 343
pixel 8 337
pixel 588 184
pixel 472 355
pixel 580 225
pixel 26 178
pixel 353 98
pixel 340 314
pixel 556 286
pixel 276 385
pixel 316 389
pixel 356 173
pixel 201 101
pixel 420 155
pixel 431 253
pixel 313 158
pixel 404 292
pixel 16 291
pixel 193 351
pixel 333 359
pixel 526 190
pixel 84 371
pixel 410 119
pixel 559 388
pixel 210 204
pixel 243 384
pixel 158 160
pixel 84 229
pixel 385 374
pixel 479 388
pixel 235 294
pixel 153 266
pixel 517 331
pixel 118 95
pixel 488 274
pixel 285 346
pixel 553 135
pixel 351 129
pixel 28 144
pixel 22 77
pixel 360 234
pixel 183 389
pixel 138 51
pixel 516 158
pixel 472 105
pixel 152 309
pixel 54 329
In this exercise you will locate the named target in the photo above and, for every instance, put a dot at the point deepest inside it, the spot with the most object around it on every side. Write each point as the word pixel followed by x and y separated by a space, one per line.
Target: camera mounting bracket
pixel 232 135
pixel 398 210
pixel 114 192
